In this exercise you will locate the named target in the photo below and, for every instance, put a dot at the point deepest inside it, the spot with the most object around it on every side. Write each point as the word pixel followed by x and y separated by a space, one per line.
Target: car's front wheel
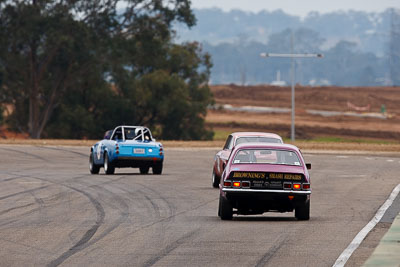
pixel 108 166
pixel 302 211
pixel 93 167
pixel 225 209
pixel 215 179
pixel 157 168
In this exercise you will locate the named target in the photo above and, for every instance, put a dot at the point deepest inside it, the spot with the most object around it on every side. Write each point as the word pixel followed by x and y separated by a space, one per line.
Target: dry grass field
pixel 308 126
pixel 313 132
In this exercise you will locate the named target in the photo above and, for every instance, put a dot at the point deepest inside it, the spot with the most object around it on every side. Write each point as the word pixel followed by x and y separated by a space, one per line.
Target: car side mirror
pixel 308 165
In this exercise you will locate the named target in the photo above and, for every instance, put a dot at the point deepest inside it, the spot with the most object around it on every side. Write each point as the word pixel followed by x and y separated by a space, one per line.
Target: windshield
pixel 257 139
pixel 267 156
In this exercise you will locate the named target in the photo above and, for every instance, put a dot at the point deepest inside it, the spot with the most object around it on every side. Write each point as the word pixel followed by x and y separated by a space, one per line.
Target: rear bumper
pixel 267 191
pixel 149 158
pixel 258 201
pixel 135 162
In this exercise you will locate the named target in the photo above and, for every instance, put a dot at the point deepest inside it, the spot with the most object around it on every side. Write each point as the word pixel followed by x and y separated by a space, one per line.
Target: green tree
pixel 79 67
pixel 168 91
pixel 178 95
pixel 45 50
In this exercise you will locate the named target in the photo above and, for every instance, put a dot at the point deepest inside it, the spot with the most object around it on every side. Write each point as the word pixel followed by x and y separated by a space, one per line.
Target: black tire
pixel 108 166
pixel 302 212
pixel 144 169
pixel 225 209
pixel 157 168
pixel 93 168
pixel 215 179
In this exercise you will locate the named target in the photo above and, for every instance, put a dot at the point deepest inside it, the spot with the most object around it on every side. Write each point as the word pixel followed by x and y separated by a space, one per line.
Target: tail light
pixel 161 151
pixel 236 184
pixel 227 183
pixel 306 186
pixel 296 186
pixel 246 184
pixel 116 148
pixel 287 185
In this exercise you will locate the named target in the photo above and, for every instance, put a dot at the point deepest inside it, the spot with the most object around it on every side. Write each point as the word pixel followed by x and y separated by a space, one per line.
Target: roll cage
pixel 123 133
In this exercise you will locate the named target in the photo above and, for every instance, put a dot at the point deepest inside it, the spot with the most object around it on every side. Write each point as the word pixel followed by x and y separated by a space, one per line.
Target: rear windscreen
pixel 267 156
pixel 130 133
pixel 257 139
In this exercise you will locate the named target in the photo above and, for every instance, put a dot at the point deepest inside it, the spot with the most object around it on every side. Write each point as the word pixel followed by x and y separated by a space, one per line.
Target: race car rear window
pixel 267 156
pixel 257 139
pixel 130 133
pixel 139 134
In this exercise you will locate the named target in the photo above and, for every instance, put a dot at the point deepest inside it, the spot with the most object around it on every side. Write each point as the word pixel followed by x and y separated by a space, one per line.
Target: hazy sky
pixel 298 7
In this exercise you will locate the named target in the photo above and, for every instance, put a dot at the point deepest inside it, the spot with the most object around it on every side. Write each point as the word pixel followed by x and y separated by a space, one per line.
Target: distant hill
pixel 370 31
pixel 356 45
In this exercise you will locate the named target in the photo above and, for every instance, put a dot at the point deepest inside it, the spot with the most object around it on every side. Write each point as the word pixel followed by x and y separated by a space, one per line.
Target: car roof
pixel 244 134
pixel 266 146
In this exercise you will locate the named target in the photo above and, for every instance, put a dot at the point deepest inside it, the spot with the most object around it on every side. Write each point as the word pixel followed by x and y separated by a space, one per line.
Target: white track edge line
pixel 346 254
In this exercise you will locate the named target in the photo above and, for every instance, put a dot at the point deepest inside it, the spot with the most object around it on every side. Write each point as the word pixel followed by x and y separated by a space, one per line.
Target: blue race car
pixel 127 146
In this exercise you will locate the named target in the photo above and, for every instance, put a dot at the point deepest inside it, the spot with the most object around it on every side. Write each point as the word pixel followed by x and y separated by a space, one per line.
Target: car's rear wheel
pixel 225 209
pixel 108 166
pixel 302 211
pixel 157 168
pixel 215 179
pixel 144 169
pixel 93 167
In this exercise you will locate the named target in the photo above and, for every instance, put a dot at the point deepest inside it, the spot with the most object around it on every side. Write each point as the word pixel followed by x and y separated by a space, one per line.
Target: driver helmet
pixel 137 131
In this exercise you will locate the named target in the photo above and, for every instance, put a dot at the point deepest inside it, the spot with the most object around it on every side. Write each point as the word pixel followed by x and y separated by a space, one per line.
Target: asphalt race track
pixel 53 212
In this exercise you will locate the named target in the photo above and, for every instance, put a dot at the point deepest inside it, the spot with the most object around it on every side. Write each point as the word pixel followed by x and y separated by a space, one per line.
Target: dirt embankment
pixel 357 100
pixel 325 98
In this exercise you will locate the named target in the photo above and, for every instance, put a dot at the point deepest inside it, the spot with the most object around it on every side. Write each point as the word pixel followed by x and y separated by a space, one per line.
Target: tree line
pixel 342 65
pixel 360 48
pixel 73 69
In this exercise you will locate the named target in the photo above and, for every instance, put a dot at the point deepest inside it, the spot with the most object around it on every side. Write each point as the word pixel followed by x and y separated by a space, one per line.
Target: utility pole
pixel 292 56
pixel 394 50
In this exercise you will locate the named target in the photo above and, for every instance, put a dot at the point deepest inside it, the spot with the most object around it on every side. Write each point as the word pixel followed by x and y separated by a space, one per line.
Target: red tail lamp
pixel 296 186
pixel 227 183
pixel 236 184
pixel 306 186
pixel 245 184
pixel 287 185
